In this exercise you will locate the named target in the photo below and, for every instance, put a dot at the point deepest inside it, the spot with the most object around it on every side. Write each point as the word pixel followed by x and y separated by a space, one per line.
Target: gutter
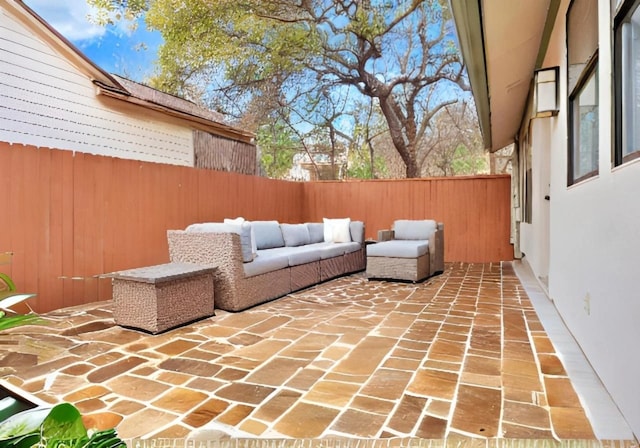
pixel 467 15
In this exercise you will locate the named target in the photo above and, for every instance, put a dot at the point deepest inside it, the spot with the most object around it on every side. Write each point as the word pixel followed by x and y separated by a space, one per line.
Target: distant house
pixel 560 79
pixel 319 168
pixel 51 95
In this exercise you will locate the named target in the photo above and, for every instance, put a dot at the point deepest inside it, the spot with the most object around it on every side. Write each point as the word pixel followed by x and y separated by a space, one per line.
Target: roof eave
pixel 468 19
pixel 74 55
pixel 204 124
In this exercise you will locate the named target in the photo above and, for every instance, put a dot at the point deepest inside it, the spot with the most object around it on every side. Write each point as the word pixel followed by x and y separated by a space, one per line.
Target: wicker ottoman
pixel 398 260
pixel 158 298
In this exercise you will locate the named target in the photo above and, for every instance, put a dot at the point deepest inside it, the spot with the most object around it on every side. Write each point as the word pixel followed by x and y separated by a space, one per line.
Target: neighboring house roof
pixel 502 43
pixel 124 89
pixel 203 119
pixel 155 96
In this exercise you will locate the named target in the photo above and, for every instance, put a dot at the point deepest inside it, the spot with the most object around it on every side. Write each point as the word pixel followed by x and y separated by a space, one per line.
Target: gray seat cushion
pixel 398 249
pixel 330 250
pixel 296 255
pixel 350 247
pixel 303 255
pixel 266 263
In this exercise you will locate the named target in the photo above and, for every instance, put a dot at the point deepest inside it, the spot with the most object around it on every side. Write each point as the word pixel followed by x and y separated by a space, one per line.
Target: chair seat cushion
pixel 303 255
pixel 266 263
pixel 399 249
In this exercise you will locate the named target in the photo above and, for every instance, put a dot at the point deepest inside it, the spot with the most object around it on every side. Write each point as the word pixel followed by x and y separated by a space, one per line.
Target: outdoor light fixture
pixel 545 95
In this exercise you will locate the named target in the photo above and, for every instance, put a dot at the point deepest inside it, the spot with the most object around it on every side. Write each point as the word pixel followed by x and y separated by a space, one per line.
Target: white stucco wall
pixel 594 272
pixel 45 101
pixel 535 235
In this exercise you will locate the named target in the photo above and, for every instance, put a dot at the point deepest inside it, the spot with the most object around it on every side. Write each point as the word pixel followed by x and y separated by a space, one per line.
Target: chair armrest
pixel 436 250
pixel 222 250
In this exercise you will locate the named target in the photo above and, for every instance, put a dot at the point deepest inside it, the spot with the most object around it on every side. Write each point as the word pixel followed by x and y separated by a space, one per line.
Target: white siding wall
pixel 45 101
pixel 594 276
pixel 535 236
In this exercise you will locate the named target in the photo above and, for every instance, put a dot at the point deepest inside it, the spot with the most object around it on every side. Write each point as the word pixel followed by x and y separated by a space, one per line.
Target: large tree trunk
pixel 398 132
pixel 413 170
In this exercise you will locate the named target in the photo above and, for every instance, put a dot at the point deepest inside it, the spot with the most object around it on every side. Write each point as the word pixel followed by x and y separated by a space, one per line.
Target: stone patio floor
pixel 462 355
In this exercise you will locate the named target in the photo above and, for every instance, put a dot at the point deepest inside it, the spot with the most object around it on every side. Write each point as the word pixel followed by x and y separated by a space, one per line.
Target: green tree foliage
pixel 360 166
pixel 277 146
pixel 466 161
pixel 315 57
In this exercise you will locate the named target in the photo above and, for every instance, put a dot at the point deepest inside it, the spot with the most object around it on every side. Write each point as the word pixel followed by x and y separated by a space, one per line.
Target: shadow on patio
pixel 461 355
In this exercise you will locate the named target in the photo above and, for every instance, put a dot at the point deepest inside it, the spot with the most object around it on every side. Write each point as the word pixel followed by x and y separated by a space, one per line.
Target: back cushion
pixel 268 234
pixel 356 228
pixel 295 234
pixel 406 229
pixel 245 224
pixel 316 232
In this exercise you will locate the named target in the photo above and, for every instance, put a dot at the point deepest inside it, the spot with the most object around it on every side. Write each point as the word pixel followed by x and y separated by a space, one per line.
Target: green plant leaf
pixel 63 427
pixel 7 322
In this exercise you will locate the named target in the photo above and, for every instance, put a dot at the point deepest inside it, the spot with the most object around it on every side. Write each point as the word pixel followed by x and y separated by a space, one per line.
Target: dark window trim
pixel 586 74
pixel 625 8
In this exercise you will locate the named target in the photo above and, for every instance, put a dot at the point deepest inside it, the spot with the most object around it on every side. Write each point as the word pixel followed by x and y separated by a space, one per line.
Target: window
pixel 584 132
pixel 582 79
pixel 627 82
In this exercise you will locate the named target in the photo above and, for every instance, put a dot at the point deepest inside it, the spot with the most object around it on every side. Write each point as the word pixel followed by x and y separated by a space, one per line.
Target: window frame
pixel 625 9
pixel 590 70
pixel 575 83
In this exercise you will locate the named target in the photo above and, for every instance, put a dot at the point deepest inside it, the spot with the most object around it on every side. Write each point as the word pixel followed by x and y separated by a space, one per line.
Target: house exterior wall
pixel 535 235
pixel 46 101
pixel 594 237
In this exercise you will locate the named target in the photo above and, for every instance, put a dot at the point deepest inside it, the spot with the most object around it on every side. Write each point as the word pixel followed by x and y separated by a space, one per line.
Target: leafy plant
pixel 58 427
pixel 7 322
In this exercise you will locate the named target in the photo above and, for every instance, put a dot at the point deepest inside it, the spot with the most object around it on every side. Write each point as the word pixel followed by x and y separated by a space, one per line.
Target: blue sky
pixel 115 49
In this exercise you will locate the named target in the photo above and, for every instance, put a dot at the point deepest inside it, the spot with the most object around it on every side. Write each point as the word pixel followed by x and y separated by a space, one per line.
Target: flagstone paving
pixel 460 355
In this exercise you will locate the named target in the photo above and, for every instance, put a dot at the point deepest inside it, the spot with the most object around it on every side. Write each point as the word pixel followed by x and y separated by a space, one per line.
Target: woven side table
pixel 158 298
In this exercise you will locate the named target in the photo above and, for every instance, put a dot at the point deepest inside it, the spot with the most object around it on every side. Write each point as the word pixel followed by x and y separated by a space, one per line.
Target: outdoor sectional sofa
pixel 263 260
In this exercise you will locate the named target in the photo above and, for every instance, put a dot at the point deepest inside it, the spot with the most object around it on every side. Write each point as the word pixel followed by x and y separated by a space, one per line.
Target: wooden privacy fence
pixel 68 218
pixel 475 210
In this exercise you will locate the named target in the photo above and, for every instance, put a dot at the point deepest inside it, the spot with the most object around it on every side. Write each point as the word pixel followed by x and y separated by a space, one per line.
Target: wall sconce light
pixel 545 96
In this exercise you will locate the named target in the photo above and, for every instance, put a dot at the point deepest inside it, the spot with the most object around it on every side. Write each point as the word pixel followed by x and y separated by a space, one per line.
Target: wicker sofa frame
pixel 234 291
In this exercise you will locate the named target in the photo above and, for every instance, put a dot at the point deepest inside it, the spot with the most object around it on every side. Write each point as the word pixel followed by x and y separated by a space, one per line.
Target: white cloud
pixel 69 18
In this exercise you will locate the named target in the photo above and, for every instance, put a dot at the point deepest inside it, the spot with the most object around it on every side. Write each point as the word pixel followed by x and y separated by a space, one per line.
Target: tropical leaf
pixel 63 427
pixel 7 322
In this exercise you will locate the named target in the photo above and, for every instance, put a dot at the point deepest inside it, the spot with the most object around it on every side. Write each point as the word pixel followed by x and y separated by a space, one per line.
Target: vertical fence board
pixel 18 204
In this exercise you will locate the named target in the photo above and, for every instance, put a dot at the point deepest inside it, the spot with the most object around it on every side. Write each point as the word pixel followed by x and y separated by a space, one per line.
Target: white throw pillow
pixel 337 230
